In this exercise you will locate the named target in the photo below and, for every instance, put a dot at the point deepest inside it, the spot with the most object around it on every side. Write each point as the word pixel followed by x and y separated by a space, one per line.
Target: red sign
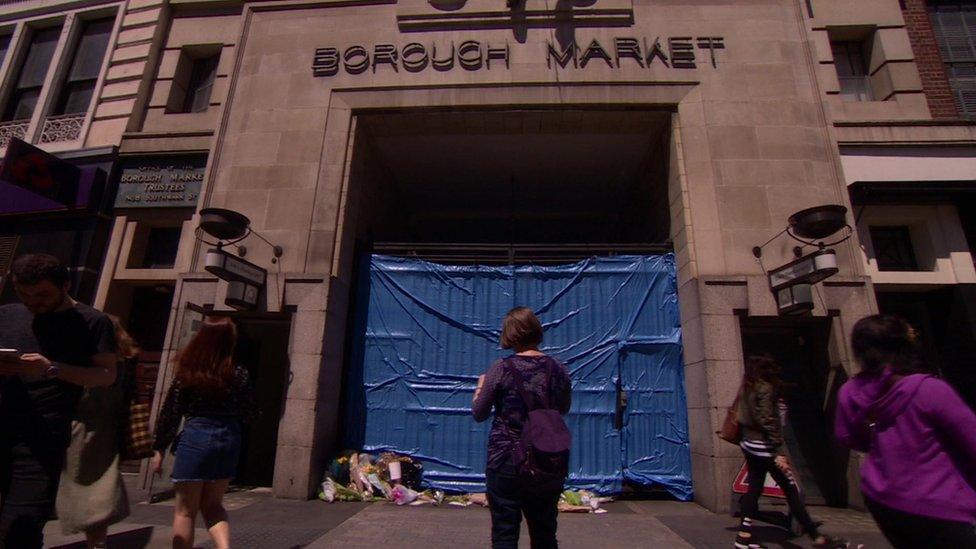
pixel 741 485
pixel 40 172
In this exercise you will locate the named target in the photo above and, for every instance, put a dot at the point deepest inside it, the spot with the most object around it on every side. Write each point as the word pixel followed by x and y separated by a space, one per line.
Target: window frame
pixel 78 34
pixel 851 48
pixel 910 263
pixel 180 98
pixel 960 85
pixel 71 22
pixel 23 51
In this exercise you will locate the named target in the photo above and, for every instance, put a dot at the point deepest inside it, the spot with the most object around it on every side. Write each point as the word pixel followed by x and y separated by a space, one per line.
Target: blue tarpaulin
pixel 427 331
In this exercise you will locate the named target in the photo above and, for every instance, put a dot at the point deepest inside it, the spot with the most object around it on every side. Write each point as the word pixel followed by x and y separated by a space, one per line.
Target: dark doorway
pixel 945 319
pixel 800 347
pixel 148 317
pixel 262 346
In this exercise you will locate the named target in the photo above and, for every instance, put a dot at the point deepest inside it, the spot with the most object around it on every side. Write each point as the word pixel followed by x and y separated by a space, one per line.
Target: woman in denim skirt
pixel 212 393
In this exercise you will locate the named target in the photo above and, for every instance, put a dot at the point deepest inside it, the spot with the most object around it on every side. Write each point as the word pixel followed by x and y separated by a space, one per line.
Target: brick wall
pixel 942 104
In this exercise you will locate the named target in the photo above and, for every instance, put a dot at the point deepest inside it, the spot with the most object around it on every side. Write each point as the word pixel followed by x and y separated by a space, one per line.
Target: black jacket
pixel 759 414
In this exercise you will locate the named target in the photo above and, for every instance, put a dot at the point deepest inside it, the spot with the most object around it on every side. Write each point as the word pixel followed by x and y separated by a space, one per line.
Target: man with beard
pixel 53 346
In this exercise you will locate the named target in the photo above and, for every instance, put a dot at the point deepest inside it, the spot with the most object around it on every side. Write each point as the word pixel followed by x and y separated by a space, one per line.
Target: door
pixel 426 331
pixel 799 345
pixel 262 347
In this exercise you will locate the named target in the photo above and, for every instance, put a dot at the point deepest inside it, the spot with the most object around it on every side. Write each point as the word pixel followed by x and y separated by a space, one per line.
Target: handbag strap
pixel 524 393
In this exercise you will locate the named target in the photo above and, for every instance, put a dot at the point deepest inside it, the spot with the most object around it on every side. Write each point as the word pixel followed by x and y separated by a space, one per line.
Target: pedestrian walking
pixel 919 476
pixel 91 495
pixel 53 346
pixel 762 445
pixel 516 388
pixel 211 392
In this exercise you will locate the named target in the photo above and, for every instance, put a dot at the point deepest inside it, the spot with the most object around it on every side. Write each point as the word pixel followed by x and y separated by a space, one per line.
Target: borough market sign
pixel 678 52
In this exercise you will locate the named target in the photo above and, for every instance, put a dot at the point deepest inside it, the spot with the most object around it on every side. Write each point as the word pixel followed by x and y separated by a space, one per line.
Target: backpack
pixel 541 454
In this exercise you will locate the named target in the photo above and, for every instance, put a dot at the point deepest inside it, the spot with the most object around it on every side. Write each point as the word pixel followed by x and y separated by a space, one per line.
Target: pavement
pixel 259 521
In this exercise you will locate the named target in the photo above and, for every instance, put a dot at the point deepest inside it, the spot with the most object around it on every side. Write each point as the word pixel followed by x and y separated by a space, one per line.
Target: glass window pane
pixel 34 69
pixel 4 46
pixel 161 248
pixel 22 104
pixel 841 59
pixel 893 248
pixel 77 96
pixel 87 63
pixel 202 77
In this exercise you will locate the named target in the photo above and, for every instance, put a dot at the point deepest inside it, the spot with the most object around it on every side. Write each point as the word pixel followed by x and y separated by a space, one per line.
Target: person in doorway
pixel 53 347
pixel 762 445
pixel 919 476
pixel 212 393
pixel 91 471
pixel 547 383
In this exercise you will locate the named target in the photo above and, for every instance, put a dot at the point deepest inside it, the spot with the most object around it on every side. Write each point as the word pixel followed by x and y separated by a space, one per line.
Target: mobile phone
pixel 9 353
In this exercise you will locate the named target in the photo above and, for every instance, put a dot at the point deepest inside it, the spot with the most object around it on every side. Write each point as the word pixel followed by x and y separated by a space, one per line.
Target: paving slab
pixel 385 524
pixel 259 521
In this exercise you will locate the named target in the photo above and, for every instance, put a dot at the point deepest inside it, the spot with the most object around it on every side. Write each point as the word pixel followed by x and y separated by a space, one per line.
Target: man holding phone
pixel 53 347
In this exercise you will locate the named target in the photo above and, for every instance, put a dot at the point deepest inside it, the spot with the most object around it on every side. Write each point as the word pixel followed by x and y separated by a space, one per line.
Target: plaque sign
pixel 172 182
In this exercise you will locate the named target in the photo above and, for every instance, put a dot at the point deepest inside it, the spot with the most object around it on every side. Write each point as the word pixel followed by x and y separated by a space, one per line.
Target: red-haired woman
pixel 212 393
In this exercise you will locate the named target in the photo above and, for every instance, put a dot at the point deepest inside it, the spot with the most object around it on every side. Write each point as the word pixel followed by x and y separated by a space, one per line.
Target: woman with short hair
pixel 919 476
pixel 212 393
pixel 546 383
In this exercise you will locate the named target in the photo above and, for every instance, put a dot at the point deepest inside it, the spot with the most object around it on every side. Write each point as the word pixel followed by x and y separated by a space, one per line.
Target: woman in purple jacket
pixel 919 477
pixel 548 385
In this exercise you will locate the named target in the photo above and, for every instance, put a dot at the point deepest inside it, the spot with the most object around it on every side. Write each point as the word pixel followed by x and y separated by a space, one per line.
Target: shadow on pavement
pixel 134 539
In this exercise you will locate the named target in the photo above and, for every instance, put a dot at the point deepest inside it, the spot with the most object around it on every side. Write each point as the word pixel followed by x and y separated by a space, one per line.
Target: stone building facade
pixel 698 125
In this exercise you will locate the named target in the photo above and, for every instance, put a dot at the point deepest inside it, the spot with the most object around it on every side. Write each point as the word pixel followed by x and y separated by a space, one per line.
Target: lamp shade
pixel 819 222
pixel 224 224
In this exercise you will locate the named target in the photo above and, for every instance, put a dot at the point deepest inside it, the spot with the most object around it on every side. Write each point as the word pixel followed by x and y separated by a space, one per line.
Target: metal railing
pixel 66 127
pixel 11 129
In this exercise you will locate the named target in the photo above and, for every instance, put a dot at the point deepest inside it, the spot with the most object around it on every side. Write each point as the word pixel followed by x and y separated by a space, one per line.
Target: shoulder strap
pixel 548 392
pixel 520 386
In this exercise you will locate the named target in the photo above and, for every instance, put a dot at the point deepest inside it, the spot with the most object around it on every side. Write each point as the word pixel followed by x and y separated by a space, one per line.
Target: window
pixel 79 85
pixel 162 245
pixel 893 248
pixel 954 22
pixel 852 71
pixel 23 98
pixel 4 46
pixel 201 84
pixel 193 83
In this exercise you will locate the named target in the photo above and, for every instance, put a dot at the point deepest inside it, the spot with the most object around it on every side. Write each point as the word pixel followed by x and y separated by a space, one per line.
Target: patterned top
pixel 186 401
pixel 501 393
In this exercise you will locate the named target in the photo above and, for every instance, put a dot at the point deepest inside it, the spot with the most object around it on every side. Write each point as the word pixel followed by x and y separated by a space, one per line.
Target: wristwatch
pixel 52 371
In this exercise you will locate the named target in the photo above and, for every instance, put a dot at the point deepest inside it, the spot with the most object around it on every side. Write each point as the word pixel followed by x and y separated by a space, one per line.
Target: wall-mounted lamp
pixel 792 283
pixel 229 228
pixel 810 226
pixel 245 280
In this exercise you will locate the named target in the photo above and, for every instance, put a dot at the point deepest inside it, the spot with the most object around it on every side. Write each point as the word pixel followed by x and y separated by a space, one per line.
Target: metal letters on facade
pixel 678 52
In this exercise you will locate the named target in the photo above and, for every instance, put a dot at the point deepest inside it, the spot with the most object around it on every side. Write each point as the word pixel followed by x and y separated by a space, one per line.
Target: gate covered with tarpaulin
pixel 425 332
